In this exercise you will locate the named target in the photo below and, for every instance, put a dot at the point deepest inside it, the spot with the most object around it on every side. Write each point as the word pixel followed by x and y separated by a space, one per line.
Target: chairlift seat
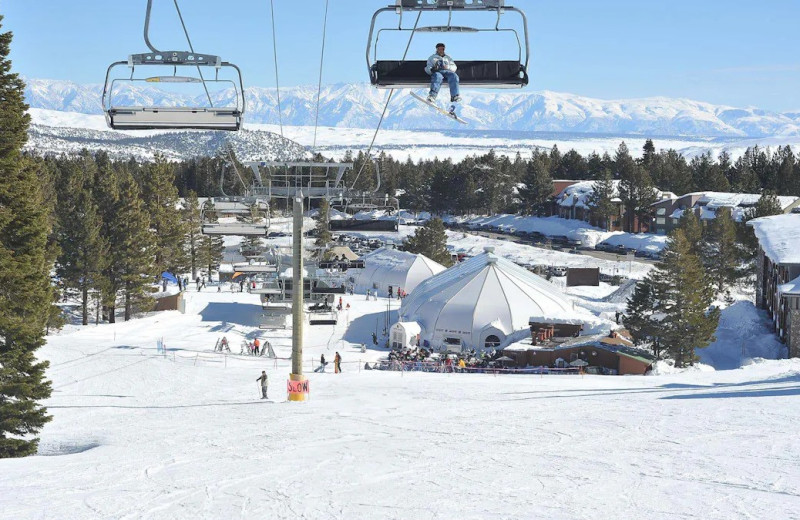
pixel 485 74
pixel 235 229
pixel 174 118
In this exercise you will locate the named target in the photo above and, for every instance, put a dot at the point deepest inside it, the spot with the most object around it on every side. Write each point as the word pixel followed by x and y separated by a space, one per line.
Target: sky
pixel 731 52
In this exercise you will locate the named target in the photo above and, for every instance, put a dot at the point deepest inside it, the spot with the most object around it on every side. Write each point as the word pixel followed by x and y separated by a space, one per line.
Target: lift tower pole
pixel 297 294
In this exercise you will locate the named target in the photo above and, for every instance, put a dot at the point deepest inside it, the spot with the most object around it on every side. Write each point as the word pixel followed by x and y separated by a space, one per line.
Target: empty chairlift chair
pixel 183 68
pixel 507 73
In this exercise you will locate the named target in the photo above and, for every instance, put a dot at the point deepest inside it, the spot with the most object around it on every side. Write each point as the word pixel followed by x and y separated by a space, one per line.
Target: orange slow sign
pixel 297 387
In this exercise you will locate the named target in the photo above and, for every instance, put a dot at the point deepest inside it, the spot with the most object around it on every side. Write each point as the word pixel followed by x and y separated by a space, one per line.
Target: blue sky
pixel 732 52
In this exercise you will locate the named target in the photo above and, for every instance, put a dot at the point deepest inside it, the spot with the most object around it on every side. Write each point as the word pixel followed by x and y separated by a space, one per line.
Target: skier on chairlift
pixel 441 67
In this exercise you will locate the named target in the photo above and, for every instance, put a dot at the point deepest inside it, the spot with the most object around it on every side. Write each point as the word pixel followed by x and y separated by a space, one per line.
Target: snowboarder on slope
pixel 441 67
pixel 264 382
pixel 322 363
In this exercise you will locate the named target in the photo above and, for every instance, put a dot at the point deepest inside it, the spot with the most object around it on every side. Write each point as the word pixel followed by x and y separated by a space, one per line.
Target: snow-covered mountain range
pixel 360 106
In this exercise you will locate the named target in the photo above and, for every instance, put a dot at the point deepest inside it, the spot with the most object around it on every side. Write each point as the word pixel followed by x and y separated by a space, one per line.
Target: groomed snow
pixel 138 435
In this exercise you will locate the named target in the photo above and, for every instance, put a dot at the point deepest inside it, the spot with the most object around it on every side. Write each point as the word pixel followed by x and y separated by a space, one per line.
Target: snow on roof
pixel 579 194
pixel 791 288
pixel 716 199
pixel 779 237
pixel 398 269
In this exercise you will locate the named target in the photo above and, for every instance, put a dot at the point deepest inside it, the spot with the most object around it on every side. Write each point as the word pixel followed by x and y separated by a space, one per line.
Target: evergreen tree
pixel 211 249
pixel 722 251
pixel 641 318
pixel 600 201
pixel 692 231
pixel 161 203
pixel 191 218
pixel 83 248
pixel 683 295
pixel 635 190
pixel 766 206
pixel 132 249
pixel 323 227
pixel 430 240
pixel 25 292
pixel 537 188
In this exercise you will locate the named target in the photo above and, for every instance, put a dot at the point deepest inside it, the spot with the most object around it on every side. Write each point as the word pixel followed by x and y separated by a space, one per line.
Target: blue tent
pixel 169 276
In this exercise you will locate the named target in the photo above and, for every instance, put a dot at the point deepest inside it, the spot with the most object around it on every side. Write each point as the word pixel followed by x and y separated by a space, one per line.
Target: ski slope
pixel 137 434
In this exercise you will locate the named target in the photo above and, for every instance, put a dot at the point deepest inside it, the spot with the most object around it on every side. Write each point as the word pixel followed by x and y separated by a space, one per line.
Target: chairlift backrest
pixel 150 117
pixel 508 73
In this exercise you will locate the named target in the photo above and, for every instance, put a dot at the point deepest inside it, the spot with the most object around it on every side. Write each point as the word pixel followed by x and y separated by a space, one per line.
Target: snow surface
pixel 141 435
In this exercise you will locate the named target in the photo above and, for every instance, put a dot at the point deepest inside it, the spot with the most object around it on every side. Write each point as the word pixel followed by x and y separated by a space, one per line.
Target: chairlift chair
pixel 476 73
pixel 132 117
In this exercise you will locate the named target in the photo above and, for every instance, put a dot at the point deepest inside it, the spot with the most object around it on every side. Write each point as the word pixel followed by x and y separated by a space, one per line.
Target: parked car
pixel 559 271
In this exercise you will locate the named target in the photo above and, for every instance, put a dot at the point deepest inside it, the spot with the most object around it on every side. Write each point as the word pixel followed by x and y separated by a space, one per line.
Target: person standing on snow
pixel 264 383
pixel 337 363
pixel 256 346
pixel 322 363
pixel 441 67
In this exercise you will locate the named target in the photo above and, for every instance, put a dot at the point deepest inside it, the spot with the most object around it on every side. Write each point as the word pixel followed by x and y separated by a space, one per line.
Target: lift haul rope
pixel 383 114
pixel 275 54
pixel 191 48
pixel 319 84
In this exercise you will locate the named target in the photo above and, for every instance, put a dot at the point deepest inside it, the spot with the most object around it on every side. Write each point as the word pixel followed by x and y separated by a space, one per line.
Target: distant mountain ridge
pixel 359 105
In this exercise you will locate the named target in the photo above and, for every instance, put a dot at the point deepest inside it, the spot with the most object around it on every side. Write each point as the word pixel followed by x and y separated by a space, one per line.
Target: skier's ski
pixel 451 113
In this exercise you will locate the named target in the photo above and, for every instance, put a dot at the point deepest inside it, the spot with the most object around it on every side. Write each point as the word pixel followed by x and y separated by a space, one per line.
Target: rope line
pixel 319 84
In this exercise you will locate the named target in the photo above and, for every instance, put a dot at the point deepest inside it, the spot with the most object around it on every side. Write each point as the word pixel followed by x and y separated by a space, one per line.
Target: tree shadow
pixel 362 328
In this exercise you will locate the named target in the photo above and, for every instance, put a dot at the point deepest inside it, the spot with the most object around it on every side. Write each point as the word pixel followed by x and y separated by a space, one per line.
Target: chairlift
pixel 476 73
pixel 131 117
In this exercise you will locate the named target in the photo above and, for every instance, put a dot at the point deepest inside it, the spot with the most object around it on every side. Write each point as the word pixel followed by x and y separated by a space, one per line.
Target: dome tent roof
pixel 390 267
pixel 484 295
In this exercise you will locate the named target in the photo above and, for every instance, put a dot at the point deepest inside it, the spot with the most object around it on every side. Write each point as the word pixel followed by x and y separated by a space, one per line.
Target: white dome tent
pixel 384 268
pixel 485 302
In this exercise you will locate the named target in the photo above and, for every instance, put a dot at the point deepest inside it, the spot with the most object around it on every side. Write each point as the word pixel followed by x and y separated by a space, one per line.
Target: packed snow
pixel 138 433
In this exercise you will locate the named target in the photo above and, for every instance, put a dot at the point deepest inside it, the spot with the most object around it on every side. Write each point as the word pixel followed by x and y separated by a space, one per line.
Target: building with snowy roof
pixel 385 268
pixel 706 205
pixel 574 202
pixel 778 274
pixel 484 302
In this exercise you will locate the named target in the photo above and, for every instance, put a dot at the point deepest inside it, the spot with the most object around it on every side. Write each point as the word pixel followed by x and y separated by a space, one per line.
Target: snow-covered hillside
pixel 141 434
pixel 55 132
pixel 359 106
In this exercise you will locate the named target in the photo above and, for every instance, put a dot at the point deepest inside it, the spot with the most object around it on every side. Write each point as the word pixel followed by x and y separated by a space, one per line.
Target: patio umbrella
pixel 578 363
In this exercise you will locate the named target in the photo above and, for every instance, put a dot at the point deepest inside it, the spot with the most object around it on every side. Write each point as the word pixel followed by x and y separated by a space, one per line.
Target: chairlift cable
pixel 319 84
pixel 191 48
pixel 383 114
pixel 275 54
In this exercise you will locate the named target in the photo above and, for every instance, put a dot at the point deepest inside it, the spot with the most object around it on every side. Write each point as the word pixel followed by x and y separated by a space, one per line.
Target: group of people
pixel 337 364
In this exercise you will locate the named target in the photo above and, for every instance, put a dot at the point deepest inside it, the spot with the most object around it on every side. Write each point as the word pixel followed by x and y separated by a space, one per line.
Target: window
pixel 492 342
pixel 661 221
pixel 661 211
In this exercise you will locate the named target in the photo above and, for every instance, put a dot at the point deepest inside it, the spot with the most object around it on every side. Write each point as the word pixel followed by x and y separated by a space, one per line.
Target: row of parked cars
pixel 530 237
pixel 622 250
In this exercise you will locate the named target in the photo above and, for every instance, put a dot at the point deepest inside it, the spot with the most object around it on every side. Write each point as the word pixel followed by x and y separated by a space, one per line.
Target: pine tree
pixel 692 231
pixel 537 188
pixel 25 292
pixel 161 202
pixel 211 249
pixel 600 201
pixel 323 227
pixel 430 240
pixel 83 249
pixel 641 319
pixel 191 219
pixel 635 189
pixel 683 295
pixel 134 247
pixel 722 252
pixel 766 206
